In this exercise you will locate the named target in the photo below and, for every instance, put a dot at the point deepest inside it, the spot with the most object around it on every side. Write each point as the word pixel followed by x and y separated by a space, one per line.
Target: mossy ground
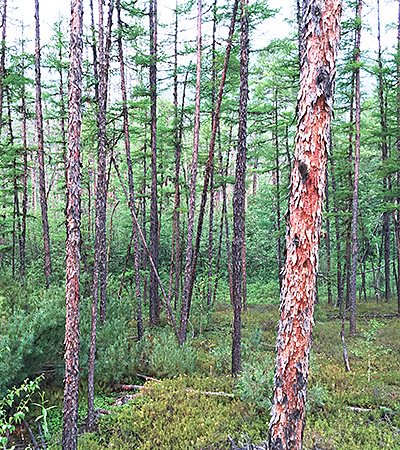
pixel 346 410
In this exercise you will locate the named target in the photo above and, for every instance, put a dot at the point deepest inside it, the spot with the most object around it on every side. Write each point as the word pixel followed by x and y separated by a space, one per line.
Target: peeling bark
pixel 73 242
pixel 321 31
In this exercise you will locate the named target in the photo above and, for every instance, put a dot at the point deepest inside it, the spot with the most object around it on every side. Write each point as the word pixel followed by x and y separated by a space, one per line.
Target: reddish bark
pixel 321 31
pixel 71 378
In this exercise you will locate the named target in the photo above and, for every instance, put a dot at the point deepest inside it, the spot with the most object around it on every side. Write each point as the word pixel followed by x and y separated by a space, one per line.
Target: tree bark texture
pixel 354 248
pixel 40 139
pixel 321 31
pixel 239 194
pixel 73 222
pixel 154 240
pixel 192 194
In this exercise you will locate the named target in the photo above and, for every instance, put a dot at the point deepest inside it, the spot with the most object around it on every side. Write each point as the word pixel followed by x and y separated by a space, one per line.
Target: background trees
pixel 137 192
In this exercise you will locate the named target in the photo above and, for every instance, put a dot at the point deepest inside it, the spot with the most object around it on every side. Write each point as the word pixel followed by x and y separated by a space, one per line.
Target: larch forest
pixel 200 226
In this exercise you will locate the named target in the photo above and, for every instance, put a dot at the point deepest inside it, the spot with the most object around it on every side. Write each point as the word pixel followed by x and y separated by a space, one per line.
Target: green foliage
pixel 31 338
pixel 167 358
pixel 14 406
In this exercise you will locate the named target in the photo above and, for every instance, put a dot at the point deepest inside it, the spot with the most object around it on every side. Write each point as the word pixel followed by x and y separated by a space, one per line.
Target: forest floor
pixel 196 404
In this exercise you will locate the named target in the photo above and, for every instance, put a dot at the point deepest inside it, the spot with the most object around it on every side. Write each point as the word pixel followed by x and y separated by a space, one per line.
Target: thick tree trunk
pixel 192 194
pixel 40 139
pixel 154 241
pixel 239 194
pixel 73 221
pixel 321 27
pixel 354 252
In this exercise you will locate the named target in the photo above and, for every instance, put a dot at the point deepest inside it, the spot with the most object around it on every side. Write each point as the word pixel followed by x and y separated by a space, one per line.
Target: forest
pixel 200 226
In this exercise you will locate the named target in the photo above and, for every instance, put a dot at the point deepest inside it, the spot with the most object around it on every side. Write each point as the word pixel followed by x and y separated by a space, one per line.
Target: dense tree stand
pixel 319 44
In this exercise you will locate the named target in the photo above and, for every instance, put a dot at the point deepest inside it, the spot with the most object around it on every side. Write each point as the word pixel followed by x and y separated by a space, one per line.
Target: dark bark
pixel 339 277
pixel 328 238
pixel 154 241
pixel 192 194
pixel 354 252
pixel 212 185
pixel 321 24
pixel 383 121
pixel 40 139
pixel 24 183
pixel 100 257
pixel 239 194
pixel 73 221
pixel 130 177
pixel 396 215
pixel 209 164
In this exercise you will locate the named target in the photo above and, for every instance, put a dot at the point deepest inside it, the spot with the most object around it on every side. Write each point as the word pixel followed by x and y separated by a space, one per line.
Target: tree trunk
pixel 239 193
pixel 192 194
pixel 328 238
pixel 354 252
pixel 383 120
pixel 99 268
pixel 73 221
pixel 130 177
pixel 321 24
pixel 40 138
pixel 24 183
pixel 210 161
pixel 154 241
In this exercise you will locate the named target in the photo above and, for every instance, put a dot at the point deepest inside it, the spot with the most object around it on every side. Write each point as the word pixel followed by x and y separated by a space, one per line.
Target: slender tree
pixel 354 252
pixel 130 175
pixel 320 38
pixel 192 194
pixel 239 194
pixel 40 142
pixel 73 222
pixel 383 123
pixel 154 237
